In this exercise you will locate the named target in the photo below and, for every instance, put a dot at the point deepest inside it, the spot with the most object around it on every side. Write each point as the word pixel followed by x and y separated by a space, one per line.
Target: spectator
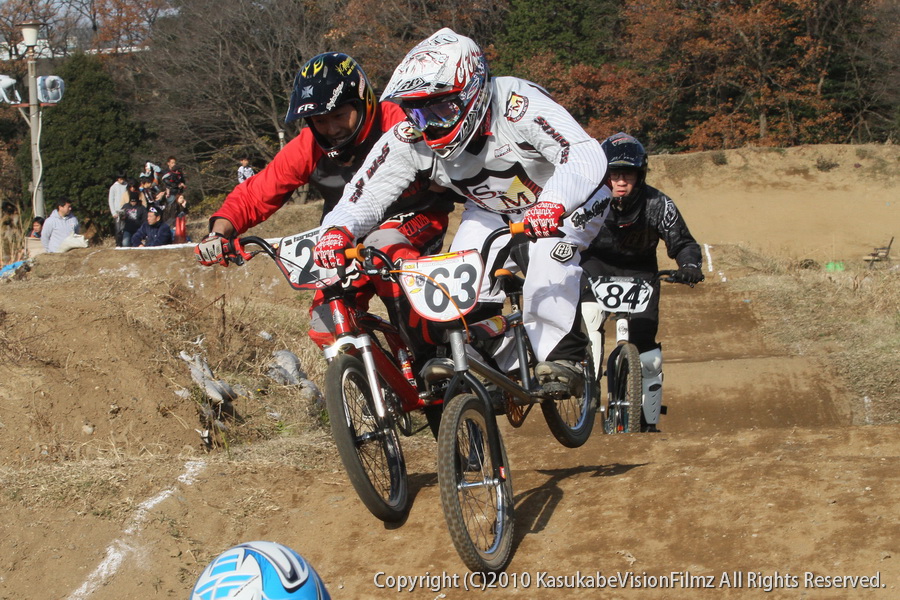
pixel 134 215
pixel 37 224
pixel 175 216
pixel 154 232
pixel 151 172
pixel 59 225
pixel 116 199
pixel 172 180
pixel 245 171
pixel 10 234
pixel 149 191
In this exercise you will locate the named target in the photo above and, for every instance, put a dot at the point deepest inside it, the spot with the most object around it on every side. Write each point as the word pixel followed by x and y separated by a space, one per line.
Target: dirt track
pixel 758 470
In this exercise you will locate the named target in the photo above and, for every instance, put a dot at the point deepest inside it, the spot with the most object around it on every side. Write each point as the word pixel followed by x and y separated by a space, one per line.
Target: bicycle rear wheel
pixel 571 420
pixel 478 508
pixel 369 447
pixel 624 409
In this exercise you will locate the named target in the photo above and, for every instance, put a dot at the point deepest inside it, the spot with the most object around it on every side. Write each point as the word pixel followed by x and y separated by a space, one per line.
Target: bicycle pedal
pixel 555 390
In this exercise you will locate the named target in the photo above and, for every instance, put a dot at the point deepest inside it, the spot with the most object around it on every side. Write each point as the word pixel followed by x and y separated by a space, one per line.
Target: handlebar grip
pixel 519 227
pixel 354 253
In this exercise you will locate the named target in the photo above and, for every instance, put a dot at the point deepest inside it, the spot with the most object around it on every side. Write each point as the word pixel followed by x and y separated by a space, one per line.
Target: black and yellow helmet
pixel 326 82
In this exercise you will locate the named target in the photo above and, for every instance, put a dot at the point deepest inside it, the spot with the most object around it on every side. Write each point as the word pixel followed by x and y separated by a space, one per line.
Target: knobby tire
pixel 629 392
pixel 369 449
pixel 478 510
pixel 572 420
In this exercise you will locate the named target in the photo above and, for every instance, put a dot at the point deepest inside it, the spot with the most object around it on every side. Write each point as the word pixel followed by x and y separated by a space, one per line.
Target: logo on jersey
pixel 584 216
pixel 516 107
pixel 406 133
pixel 670 215
pixel 502 150
pixel 557 137
pixel 563 252
pixel 510 191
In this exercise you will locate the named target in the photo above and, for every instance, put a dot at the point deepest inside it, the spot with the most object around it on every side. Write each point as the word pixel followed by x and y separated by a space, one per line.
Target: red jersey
pixel 302 161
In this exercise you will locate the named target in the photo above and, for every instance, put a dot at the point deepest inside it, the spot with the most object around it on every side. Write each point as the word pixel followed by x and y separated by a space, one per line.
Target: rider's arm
pixel 392 164
pixel 680 244
pixel 258 197
pixel 548 127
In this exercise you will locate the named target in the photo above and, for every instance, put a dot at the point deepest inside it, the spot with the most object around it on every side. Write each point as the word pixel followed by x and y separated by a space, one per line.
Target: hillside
pixel 777 455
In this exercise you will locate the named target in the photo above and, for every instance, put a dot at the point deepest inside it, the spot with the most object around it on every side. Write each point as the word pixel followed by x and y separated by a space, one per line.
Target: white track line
pixel 119 549
pixel 709 264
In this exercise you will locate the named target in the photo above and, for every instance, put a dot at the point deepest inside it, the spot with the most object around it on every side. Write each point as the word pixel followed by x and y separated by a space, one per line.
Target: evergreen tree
pixel 86 140
pixel 574 31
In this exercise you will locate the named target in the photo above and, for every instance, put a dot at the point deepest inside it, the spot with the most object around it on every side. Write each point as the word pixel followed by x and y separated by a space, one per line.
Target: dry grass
pixel 851 317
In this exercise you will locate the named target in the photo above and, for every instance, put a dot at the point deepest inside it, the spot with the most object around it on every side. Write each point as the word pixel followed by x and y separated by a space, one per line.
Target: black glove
pixel 689 274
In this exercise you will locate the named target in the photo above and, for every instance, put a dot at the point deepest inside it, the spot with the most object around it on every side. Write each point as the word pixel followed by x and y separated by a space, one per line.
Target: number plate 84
pixel 622 295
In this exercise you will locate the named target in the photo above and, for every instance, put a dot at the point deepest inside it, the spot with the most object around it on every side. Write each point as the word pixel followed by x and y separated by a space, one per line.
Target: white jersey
pixel 533 150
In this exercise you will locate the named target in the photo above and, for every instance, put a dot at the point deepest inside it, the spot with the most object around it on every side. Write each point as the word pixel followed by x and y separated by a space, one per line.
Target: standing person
pixel 153 232
pixel 334 97
pixel 150 171
pixel 515 154
pixel 59 225
pixel 172 181
pixel 134 215
pixel 117 197
pixel 641 216
pixel 245 171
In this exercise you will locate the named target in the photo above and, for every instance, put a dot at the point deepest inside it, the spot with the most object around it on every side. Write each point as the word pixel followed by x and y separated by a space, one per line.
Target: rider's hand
pixel 544 219
pixel 689 274
pixel 329 251
pixel 210 251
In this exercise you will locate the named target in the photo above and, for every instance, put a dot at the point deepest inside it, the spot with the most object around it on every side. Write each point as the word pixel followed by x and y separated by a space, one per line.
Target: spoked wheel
pixel 623 411
pixel 478 507
pixel 571 420
pixel 369 448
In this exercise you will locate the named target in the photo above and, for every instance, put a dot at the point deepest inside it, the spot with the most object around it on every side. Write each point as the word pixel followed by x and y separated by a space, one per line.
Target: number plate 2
pixel 295 259
pixel 621 295
pixel 443 287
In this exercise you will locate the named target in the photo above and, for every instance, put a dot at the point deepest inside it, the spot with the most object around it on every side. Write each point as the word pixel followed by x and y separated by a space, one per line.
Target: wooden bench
pixel 879 254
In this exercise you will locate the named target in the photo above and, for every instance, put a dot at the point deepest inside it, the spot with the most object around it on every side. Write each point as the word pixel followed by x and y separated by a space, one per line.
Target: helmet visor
pixel 439 115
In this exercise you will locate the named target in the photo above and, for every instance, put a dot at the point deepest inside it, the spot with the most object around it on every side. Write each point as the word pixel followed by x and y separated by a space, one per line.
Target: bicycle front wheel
pixel 572 420
pixel 623 412
pixel 478 508
pixel 368 446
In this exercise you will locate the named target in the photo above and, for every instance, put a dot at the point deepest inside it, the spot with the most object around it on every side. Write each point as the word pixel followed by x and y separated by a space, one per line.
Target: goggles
pixel 440 115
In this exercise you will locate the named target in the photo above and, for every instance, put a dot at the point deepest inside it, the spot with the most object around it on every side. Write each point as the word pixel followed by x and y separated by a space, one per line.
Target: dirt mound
pixel 762 473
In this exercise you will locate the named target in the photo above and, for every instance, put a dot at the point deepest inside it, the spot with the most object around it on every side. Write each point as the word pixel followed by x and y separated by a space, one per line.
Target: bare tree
pixel 221 71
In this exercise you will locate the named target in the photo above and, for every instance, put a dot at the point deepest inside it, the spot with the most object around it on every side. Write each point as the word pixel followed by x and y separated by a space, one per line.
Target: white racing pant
pixel 552 285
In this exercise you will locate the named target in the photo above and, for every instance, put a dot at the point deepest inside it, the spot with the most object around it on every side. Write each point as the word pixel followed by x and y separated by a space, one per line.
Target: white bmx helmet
pixel 443 87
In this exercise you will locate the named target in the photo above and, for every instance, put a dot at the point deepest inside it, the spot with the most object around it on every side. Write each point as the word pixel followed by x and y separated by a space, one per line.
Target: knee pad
pixel 651 370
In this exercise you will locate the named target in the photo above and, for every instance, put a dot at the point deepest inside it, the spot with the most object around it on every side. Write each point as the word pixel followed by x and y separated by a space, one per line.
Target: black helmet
pixel 624 152
pixel 326 82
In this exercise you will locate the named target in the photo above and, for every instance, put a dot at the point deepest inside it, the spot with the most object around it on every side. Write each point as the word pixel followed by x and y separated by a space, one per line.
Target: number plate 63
pixel 621 295
pixel 443 287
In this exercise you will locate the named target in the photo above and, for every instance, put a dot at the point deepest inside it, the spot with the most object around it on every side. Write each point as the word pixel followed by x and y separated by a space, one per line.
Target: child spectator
pixel 36 225
pixel 154 232
pixel 245 171
pixel 149 191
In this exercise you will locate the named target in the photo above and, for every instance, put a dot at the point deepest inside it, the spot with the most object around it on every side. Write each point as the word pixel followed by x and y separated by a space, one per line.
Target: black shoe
pixel 561 371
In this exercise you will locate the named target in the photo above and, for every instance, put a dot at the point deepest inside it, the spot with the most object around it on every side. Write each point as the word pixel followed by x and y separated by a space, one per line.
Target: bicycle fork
pixel 462 375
